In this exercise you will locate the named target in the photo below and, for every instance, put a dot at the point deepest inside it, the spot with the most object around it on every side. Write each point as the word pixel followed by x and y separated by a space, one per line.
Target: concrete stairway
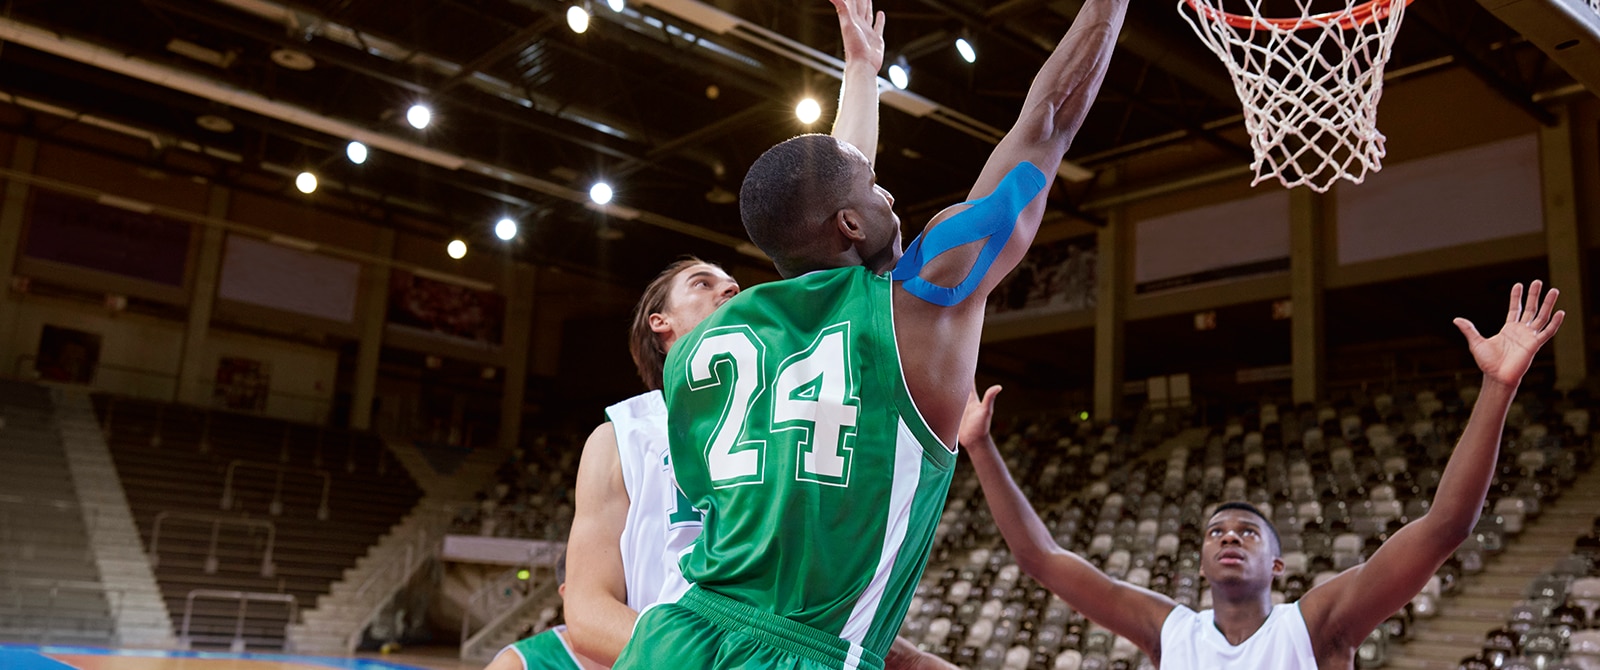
pixel 1486 598
pixel 335 624
pixel 140 613
pixel 50 590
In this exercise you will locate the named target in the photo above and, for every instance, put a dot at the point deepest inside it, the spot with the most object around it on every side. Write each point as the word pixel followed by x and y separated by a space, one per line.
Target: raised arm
pixel 862 32
pixel 599 620
pixel 946 275
pixel 1340 613
pixel 1127 610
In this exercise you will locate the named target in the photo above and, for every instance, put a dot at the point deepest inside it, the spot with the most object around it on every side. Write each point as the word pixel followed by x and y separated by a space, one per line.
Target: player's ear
pixel 659 323
pixel 1278 567
pixel 848 222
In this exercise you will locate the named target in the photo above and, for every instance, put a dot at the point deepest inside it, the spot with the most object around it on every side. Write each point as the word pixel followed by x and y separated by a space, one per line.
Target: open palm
pixel 1505 357
pixel 862 31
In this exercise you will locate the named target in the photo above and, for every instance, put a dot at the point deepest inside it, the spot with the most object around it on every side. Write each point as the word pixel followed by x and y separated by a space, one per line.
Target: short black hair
pixel 791 189
pixel 1277 544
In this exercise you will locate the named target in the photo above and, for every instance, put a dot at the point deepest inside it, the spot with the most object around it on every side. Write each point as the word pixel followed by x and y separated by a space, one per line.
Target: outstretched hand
pixel 862 31
pixel 975 418
pixel 1505 357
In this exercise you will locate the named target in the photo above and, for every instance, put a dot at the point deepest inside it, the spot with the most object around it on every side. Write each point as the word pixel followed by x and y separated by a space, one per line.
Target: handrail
pixel 216 521
pixel 424 544
pixel 532 598
pixel 244 598
pixel 114 598
pixel 276 507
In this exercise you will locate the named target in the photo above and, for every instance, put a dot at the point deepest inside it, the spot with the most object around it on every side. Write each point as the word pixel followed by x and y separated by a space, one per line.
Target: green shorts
pixel 705 630
pixel 545 651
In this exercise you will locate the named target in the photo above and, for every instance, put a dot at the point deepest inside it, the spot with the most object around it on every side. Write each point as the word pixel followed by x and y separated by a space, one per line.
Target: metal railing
pixel 217 521
pixel 275 508
pixel 237 644
pixel 423 546
pixel 26 593
pixel 498 598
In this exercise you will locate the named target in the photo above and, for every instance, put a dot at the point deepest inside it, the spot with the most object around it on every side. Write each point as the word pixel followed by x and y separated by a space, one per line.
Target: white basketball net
pixel 1310 86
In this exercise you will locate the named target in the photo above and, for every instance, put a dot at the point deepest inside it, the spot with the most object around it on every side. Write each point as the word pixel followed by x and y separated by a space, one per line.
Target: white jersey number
pixel 814 396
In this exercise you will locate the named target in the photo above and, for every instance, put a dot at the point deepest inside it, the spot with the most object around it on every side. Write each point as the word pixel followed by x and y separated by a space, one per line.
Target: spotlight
pixel 356 152
pixel 419 116
pixel 306 182
pixel 600 193
pixel 964 48
pixel 577 19
pixel 505 229
pixel 457 249
pixel 616 5
pixel 900 73
pixel 808 110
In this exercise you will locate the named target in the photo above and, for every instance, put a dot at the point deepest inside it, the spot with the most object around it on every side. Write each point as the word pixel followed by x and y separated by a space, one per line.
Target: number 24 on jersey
pixel 813 402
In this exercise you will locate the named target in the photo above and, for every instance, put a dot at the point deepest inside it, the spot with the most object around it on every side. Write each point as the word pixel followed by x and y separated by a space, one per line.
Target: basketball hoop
pixel 1309 85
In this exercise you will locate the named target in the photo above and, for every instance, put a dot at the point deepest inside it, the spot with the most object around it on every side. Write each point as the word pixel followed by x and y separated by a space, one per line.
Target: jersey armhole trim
pixel 894 376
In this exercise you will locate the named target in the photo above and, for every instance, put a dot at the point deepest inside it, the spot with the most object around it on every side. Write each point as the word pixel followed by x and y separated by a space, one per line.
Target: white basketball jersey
pixel 1190 641
pixel 661 524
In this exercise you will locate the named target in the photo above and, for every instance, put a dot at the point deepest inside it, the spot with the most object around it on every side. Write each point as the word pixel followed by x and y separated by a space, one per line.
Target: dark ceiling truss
pixel 1460 33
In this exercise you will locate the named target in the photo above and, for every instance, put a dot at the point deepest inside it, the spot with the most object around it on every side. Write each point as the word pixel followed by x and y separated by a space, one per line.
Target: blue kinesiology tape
pixel 993 216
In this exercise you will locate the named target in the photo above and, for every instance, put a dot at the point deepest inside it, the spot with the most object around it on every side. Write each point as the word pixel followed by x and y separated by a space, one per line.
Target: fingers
pixel 877 26
pixel 1469 330
pixel 989 396
pixel 1542 318
pixel 1515 315
pixel 1530 309
pixel 1555 325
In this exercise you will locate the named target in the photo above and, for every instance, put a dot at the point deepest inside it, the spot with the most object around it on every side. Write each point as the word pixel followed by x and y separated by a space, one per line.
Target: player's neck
pixel 1240 616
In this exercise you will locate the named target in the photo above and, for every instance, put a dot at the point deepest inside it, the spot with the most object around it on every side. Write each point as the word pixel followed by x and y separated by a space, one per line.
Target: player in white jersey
pixel 1240 555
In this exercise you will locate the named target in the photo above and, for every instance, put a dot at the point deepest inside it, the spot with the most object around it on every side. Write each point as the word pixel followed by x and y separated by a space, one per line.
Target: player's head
pixel 812 202
pixel 676 301
pixel 1240 546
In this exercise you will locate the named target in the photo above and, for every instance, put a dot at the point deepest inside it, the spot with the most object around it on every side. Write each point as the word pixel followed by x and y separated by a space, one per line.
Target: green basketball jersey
pixel 792 428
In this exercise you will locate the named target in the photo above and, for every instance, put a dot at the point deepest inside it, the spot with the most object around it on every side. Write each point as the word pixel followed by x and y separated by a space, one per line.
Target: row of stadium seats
pixel 1347 479
pixel 328 495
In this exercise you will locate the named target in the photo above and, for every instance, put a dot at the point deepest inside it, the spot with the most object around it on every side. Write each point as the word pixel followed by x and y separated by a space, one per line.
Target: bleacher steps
pixel 1486 598
pixel 142 619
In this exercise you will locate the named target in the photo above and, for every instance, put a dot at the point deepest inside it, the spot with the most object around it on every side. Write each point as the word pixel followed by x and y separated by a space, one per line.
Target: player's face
pixel 1238 548
pixel 882 247
pixel 697 291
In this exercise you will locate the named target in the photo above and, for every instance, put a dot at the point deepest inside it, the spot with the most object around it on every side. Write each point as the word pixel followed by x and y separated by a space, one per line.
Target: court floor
pixel 47 657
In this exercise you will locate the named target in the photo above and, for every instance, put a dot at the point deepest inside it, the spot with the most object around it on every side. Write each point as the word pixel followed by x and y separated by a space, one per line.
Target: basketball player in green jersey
pixel 617 511
pixel 1240 555
pixel 813 419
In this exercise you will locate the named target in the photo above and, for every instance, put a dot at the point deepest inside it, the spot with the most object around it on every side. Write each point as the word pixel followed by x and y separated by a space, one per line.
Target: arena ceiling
pixel 668 100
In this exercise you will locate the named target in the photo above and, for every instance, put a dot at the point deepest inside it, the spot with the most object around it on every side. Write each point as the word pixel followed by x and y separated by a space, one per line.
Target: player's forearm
pixel 857 120
pixel 1025 533
pixel 1466 477
pixel 1070 79
pixel 598 626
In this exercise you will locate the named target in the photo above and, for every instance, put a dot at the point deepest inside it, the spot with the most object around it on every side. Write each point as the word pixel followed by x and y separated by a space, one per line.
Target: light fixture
pixel 356 152
pixel 306 182
pixel 616 5
pixel 457 249
pixel 419 116
pixel 214 123
pixel 600 193
pixel 577 19
pixel 964 48
pixel 505 229
pixel 900 72
pixel 808 110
